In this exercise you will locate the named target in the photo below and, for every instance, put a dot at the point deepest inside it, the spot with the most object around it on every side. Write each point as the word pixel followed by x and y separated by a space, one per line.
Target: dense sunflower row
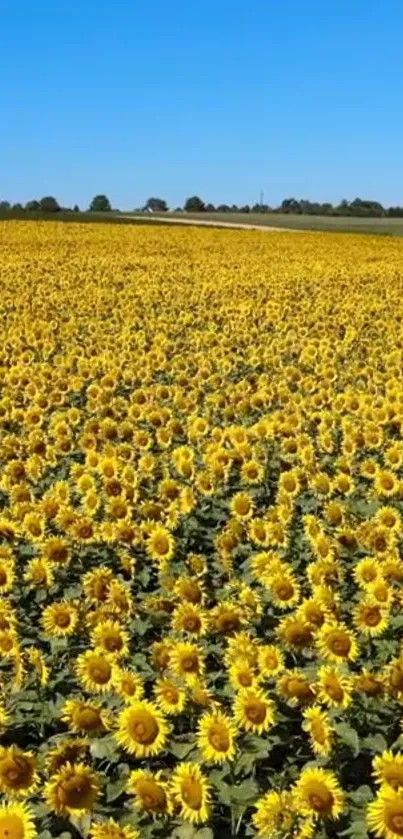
pixel 201 516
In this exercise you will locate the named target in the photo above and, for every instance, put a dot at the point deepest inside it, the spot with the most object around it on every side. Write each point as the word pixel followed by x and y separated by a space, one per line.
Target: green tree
pixel 32 206
pixel 157 205
pixel 48 204
pixel 100 204
pixel 5 206
pixel 194 205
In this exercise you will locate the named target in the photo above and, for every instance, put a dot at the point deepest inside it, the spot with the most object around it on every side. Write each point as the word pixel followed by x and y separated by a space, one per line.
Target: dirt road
pixel 212 223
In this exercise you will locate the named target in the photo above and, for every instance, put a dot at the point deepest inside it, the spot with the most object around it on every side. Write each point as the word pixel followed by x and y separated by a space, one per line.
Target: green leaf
pixel 245 793
pixel 204 833
pixel 104 747
pixel 114 790
pixel 185 831
pixel 181 750
pixel 348 736
pixel 375 743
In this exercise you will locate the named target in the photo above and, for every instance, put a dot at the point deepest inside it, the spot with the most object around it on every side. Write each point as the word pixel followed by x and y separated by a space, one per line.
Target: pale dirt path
pixel 211 223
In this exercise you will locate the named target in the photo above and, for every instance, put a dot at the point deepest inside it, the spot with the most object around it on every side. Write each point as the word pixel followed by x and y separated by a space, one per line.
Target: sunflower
pixel 394 677
pixel 69 750
pixel 160 545
pixel 317 793
pixel 55 550
pixel 127 684
pixel 242 674
pixel 243 646
pixel 388 769
pixel 369 683
pixel 161 654
pixel 270 661
pixel 334 688
pixel 190 589
pixel 227 617
pixel 187 660
pixel 253 711
pixel 216 737
pixel 169 696
pixel 313 611
pixel 370 618
pixel 241 506
pixel 109 637
pixel 96 584
pixel 284 589
pixel 39 572
pixel 191 792
pixel 275 815
pixel 112 830
pixel 60 619
pixel 296 688
pixel 73 790
pixel 151 793
pixel 385 814
pixel 337 643
pixel 295 633
pixel 84 717
pixel 94 670
pixel 7 575
pixel 17 822
pixel 189 618
pixel 386 484
pixel 8 643
pixel 317 724
pixel 18 775
pixel 142 729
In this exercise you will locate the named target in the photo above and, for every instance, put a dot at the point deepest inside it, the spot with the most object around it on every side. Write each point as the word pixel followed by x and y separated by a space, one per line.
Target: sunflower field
pixel 201 519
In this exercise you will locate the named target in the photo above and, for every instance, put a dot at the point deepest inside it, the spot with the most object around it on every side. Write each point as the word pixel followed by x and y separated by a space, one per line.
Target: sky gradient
pixel 220 98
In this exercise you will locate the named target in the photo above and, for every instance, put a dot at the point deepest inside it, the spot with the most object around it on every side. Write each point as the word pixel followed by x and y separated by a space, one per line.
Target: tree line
pixel 194 204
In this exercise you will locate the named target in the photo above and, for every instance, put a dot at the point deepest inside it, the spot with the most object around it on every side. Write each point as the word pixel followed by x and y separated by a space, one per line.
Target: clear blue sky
pixel 221 98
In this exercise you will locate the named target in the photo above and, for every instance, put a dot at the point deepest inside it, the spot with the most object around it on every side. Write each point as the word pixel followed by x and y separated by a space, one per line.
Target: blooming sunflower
pixel 296 688
pixel 170 697
pixel 187 660
pixel 334 688
pixel 370 618
pixel 109 637
pixel 17 822
pixel 388 769
pixel 216 737
pixel 18 775
pixel 95 670
pixel 73 790
pixel 337 643
pixel 385 814
pixel 317 724
pixel 84 717
pixel 60 619
pixel 112 830
pixel 270 661
pixel 242 674
pixel 317 793
pixel 190 618
pixel 69 750
pixel 191 792
pixel 127 684
pixel 295 633
pixel 151 793
pixel 253 711
pixel 160 544
pixel 275 814
pixel 284 589
pixel 142 729
pixel 39 572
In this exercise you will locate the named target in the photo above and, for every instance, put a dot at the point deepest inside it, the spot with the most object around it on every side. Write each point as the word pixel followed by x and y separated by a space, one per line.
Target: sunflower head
pixel 142 729
pixel 151 793
pixel 73 790
pixel 18 775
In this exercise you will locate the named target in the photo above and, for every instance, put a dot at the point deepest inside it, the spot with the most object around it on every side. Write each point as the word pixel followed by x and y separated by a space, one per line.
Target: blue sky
pixel 222 98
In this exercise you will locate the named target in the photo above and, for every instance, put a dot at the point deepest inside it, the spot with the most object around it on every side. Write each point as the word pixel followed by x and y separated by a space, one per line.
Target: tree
pixel 210 208
pixel 245 209
pixel 194 205
pixel 33 206
pixel 76 208
pixel 49 204
pixel 17 208
pixel 5 206
pixel 157 205
pixel 100 204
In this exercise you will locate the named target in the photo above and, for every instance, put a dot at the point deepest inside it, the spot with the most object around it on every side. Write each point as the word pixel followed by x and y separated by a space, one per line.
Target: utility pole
pixel 261 198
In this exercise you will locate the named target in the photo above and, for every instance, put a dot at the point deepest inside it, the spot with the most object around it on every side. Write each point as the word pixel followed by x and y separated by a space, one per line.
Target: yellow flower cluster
pixel 201 519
